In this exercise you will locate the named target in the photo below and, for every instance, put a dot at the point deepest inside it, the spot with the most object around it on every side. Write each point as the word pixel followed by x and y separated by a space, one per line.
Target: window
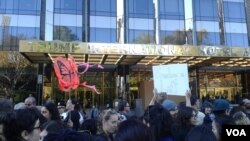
pixel 139 26
pixel 69 6
pixel 67 33
pixel 236 40
pixel 208 38
pixel 106 35
pixel 25 7
pixel 171 9
pixel 12 35
pixel 141 36
pixel 140 8
pixel 173 37
pixel 103 7
pixel 234 12
pixel 206 10
pixel 102 21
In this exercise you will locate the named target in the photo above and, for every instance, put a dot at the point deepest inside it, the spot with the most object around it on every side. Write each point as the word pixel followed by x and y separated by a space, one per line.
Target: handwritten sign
pixel 172 79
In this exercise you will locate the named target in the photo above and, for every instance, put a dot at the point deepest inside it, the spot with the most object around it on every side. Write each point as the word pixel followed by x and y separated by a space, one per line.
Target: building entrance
pixel 104 82
pixel 213 83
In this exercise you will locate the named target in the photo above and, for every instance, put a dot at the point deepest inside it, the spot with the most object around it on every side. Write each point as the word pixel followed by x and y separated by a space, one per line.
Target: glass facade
pixel 139 21
pixel 20 20
pixel 207 22
pixel 68 20
pixel 202 22
pixel 171 20
pixel 20 7
pixel 102 21
pixel 235 23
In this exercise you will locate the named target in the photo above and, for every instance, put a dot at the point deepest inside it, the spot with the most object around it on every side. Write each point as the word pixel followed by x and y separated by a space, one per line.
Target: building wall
pixel 178 22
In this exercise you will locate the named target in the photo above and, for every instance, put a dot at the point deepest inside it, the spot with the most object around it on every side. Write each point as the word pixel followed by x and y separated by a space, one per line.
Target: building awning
pixel 135 54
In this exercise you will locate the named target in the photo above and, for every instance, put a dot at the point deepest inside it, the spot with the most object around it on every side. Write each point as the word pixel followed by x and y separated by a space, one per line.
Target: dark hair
pixel 200 133
pixel 5 122
pixel 74 116
pixel 6 116
pixel 53 125
pixel 222 120
pixel 25 119
pixel 6 108
pixel 193 99
pixel 133 130
pixel 67 135
pixel 122 104
pixel 52 108
pixel 76 104
pixel 205 105
pixel 184 114
pixel 5 105
pixel 90 125
pixel 160 121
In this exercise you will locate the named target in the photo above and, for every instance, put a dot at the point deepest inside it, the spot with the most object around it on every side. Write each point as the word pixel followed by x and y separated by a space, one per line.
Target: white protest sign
pixel 172 79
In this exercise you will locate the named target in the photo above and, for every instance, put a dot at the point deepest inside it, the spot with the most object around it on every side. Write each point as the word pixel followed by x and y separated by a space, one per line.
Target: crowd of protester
pixel 163 120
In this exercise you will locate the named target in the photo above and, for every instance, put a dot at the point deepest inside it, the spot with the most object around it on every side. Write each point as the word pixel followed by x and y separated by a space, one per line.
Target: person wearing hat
pixel 171 106
pixel 61 107
pixel 221 112
pixel 221 106
pixel 221 109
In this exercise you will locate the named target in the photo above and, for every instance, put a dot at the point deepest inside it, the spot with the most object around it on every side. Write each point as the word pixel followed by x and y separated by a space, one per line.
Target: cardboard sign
pixel 172 79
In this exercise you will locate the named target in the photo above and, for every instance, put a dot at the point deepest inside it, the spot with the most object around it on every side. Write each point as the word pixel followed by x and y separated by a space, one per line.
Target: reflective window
pixel 235 27
pixel 69 6
pixel 171 9
pixel 141 36
pixel 20 20
pixel 26 7
pixel 103 7
pixel 67 33
pixel 12 35
pixel 171 15
pixel 236 40
pixel 209 26
pixel 206 10
pixel 28 33
pixel 171 25
pixel 208 38
pixel 234 12
pixel 139 26
pixel 173 37
pixel 68 20
pixel 102 21
pixel 140 8
pixel 102 35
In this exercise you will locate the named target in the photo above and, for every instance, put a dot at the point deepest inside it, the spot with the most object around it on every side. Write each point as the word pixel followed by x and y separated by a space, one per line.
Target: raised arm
pixel 154 98
pixel 187 96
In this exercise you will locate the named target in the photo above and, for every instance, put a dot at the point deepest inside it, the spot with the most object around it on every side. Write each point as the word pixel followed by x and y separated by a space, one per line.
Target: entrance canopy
pixel 135 54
